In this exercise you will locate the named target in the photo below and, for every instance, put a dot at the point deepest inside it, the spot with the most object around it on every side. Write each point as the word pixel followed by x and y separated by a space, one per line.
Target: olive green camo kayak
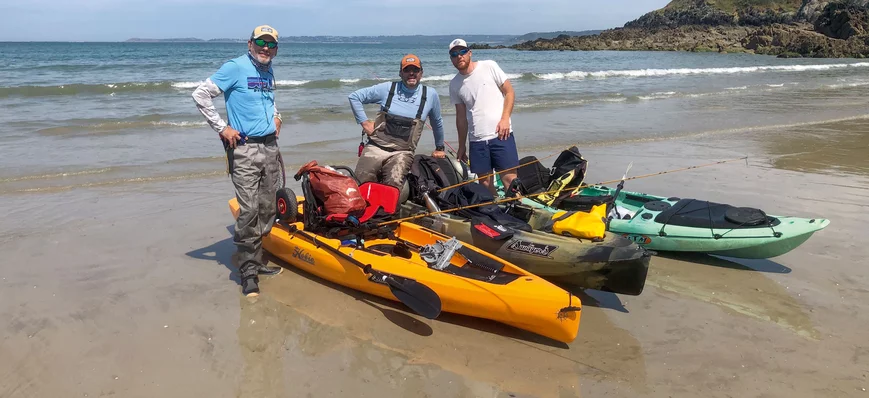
pixel 613 264
pixel 521 234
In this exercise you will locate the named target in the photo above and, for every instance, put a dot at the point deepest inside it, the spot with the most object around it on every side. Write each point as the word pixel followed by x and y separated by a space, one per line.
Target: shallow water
pixel 95 114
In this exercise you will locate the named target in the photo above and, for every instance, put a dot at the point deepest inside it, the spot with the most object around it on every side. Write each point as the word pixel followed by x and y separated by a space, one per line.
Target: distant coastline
pixel 182 40
pixel 491 40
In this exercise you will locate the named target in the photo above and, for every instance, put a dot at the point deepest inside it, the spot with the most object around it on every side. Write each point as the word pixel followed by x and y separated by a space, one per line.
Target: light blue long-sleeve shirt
pixel 405 103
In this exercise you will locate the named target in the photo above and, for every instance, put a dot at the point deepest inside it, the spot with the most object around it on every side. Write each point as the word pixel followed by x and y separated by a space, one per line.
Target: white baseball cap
pixel 458 43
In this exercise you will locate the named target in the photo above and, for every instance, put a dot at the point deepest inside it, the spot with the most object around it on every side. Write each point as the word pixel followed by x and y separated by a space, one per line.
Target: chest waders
pixel 398 133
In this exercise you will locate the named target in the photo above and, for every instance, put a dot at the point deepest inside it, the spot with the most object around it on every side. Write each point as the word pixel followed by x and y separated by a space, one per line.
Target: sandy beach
pixel 130 291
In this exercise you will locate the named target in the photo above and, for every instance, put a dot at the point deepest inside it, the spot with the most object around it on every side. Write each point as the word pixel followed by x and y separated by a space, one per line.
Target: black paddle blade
pixel 418 297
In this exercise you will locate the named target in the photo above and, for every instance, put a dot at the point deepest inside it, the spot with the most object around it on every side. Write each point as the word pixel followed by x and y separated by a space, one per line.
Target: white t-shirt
pixel 481 93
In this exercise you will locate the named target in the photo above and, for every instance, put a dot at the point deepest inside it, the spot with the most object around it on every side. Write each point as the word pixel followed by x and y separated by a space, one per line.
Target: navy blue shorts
pixel 493 154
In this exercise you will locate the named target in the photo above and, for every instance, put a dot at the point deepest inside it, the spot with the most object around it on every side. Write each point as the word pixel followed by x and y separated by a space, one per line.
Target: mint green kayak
pixel 692 225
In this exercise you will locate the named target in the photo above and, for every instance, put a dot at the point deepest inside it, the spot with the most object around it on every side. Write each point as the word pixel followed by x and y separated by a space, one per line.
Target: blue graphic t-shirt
pixel 249 95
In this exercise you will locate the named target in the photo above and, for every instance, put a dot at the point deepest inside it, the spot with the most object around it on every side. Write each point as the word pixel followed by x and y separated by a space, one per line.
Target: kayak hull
pixel 646 228
pixel 615 264
pixel 514 297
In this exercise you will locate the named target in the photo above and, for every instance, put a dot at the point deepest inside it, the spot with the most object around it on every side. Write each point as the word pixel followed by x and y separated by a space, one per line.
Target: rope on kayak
pixel 578 187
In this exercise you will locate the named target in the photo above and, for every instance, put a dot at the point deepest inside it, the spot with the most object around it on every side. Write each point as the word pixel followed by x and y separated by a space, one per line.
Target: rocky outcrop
pixel 699 13
pixel 842 21
pixel 812 29
pixel 485 46
pixel 811 10
pixel 790 40
pixel 682 38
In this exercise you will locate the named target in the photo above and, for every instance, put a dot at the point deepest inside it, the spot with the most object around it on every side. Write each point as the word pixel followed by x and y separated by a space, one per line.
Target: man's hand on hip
pixel 231 136
pixel 368 127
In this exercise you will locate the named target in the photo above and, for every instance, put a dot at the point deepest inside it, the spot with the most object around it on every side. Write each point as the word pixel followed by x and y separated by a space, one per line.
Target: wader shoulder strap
pixel 389 98
pixel 421 103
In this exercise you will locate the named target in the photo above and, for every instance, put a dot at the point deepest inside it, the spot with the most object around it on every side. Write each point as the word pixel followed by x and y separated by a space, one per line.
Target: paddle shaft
pixel 418 297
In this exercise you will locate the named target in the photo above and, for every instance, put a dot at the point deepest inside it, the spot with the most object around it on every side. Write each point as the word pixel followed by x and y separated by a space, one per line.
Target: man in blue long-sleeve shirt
pixel 393 135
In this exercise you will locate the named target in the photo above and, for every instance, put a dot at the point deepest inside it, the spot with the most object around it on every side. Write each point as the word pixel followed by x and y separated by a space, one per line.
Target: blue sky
pixel 117 20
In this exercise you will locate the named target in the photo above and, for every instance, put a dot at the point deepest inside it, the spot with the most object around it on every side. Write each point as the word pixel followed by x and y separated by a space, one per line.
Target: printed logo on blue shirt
pixel 259 84
pixel 403 98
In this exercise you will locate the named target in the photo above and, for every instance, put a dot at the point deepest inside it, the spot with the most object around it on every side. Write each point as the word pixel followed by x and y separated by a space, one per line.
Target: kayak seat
pixel 703 214
pixel 382 202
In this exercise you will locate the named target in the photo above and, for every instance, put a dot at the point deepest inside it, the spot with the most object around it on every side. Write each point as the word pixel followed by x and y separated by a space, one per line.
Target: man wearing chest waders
pixel 250 138
pixel 393 135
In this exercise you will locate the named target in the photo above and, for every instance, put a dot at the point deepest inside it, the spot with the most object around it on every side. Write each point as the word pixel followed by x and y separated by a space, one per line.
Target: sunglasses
pixel 460 52
pixel 411 69
pixel 262 43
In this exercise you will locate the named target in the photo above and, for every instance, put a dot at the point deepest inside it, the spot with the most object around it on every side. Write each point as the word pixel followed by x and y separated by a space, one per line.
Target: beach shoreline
pixel 129 289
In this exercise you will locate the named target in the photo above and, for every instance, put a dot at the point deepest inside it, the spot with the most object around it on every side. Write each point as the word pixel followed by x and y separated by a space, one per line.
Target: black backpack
pixel 428 174
pixel 569 160
pixel 533 178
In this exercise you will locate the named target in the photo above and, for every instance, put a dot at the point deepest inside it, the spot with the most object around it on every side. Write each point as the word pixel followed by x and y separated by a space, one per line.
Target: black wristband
pixel 439 148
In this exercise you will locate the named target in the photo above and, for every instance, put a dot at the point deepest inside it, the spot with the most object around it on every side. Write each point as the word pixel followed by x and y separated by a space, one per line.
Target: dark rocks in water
pixel 484 46
pixel 785 28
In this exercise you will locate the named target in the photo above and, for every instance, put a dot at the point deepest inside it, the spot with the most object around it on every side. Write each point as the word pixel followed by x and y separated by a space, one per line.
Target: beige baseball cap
pixel 264 30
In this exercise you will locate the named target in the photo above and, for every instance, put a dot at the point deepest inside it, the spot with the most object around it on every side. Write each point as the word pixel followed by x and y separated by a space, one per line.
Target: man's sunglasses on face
pixel 460 52
pixel 411 69
pixel 262 43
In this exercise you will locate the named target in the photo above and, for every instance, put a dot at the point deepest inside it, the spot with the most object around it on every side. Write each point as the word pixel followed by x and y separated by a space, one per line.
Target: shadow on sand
pixel 744 264
pixel 221 252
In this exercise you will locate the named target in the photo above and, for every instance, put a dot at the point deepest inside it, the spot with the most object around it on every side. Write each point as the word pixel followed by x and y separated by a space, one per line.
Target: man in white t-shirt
pixel 483 97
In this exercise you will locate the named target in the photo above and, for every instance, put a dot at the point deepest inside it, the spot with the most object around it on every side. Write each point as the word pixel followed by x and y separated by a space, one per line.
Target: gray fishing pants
pixel 255 174
pixel 379 165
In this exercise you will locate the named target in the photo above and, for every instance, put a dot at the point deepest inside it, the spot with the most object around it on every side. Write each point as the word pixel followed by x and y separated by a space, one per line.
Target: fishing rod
pixel 580 186
pixel 618 190
pixel 499 172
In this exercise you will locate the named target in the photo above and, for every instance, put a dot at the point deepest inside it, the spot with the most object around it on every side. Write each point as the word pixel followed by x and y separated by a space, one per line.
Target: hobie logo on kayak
pixel 532 248
pixel 303 255
pixel 638 239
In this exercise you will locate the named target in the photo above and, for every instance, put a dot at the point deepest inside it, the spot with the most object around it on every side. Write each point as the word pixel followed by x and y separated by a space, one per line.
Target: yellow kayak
pixel 469 282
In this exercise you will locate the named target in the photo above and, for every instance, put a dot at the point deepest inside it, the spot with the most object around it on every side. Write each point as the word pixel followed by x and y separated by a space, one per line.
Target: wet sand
pixel 131 291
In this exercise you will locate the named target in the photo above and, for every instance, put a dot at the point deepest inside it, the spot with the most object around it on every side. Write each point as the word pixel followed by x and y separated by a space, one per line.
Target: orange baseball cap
pixel 410 59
